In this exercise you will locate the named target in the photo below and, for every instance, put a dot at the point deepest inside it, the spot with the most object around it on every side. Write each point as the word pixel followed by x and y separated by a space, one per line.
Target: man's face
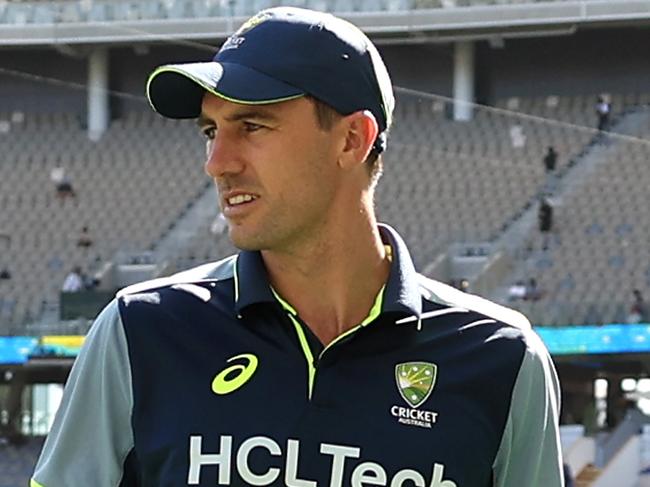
pixel 275 169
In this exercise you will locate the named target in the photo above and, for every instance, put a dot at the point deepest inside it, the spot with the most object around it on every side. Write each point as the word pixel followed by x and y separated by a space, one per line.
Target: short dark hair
pixel 326 116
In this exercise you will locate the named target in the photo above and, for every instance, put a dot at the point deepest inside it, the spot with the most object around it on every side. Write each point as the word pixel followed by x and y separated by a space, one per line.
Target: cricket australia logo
pixel 254 21
pixel 415 382
pixel 238 38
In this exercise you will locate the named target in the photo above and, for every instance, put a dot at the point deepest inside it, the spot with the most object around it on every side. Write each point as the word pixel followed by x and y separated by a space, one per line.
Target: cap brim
pixel 177 90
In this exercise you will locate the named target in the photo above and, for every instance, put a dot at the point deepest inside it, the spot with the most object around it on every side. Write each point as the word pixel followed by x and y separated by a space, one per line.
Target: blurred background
pixel 517 169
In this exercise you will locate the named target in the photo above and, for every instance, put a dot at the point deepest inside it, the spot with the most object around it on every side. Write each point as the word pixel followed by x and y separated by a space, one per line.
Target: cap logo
pixel 237 39
pixel 254 21
pixel 233 42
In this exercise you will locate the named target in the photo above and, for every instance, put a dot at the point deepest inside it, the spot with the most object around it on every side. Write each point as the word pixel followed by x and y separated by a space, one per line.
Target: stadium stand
pixel 121 196
pixel 424 144
pixel 600 252
pixel 497 170
pixel 472 203
pixel 506 140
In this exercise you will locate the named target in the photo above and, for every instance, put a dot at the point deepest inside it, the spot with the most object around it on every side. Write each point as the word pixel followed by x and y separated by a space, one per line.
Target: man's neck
pixel 332 285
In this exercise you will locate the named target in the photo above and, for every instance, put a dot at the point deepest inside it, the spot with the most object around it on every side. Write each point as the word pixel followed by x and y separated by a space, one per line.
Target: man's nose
pixel 222 157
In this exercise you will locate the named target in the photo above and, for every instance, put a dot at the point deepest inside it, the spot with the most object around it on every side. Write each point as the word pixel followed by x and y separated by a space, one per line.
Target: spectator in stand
pixel 545 220
pixel 90 282
pixel 517 291
pixel 463 285
pixel 74 281
pixel 603 108
pixel 638 310
pixel 84 240
pixel 550 163
pixel 550 159
pixel 4 270
pixel 533 292
pixel 62 183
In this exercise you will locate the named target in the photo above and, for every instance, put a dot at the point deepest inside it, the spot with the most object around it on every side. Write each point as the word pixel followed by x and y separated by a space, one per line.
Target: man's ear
pixel 361 131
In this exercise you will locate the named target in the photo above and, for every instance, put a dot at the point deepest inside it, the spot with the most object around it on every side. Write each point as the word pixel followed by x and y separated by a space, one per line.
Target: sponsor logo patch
pixel 232 378
pixel 348 467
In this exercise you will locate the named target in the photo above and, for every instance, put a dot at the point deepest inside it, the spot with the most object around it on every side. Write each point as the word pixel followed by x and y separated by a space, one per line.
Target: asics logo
pixel 235 376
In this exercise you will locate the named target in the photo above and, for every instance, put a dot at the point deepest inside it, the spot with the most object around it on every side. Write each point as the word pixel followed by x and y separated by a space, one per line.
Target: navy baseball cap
pixel 280 54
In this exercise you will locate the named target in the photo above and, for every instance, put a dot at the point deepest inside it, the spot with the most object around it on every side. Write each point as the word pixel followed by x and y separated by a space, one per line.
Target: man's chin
pixel 244 242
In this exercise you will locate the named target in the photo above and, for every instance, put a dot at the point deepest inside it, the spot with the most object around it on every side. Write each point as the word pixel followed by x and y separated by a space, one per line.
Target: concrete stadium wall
pixel 24 93
pixel 130 69
pixel 590 62
pixel 428 68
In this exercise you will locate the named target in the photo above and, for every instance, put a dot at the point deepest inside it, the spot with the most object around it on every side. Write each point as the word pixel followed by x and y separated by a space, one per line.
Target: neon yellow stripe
pixel 33 483
pixel 284 304
pixel 311 370
pixel 374 313
pixel 210 89
pixel 376 307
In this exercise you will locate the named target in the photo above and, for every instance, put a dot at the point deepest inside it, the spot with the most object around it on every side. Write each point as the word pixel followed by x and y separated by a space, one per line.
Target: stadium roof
pixel 547 18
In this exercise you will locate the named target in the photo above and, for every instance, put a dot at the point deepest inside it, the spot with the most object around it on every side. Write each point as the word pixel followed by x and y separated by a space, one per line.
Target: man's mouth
pixel 240 199
pixel 238 204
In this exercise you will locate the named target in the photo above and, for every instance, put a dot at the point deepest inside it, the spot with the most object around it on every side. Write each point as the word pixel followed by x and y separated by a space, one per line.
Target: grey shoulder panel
pixel 91 435
pixel 214 271
pixel 530 452
pixel 447 295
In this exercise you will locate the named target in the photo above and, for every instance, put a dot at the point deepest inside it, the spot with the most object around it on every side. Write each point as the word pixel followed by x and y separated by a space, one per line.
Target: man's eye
pixel 252 127
pixel 209 132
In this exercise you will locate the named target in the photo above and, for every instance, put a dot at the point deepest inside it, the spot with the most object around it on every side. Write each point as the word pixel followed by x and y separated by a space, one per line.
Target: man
pixel 603 108
pixel 545 221
pixel 638 312
pixel 74 281
pixel 550 160
pixel 317 356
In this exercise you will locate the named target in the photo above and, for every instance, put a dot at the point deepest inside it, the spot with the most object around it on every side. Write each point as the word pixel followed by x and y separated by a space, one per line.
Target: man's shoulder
pixel 502 324
pixel 441 293
pixel 213 272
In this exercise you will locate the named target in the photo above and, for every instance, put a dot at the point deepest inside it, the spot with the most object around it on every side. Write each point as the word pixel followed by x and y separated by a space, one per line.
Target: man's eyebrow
pixel 256 113
pixel 203 120
pixel 247 113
